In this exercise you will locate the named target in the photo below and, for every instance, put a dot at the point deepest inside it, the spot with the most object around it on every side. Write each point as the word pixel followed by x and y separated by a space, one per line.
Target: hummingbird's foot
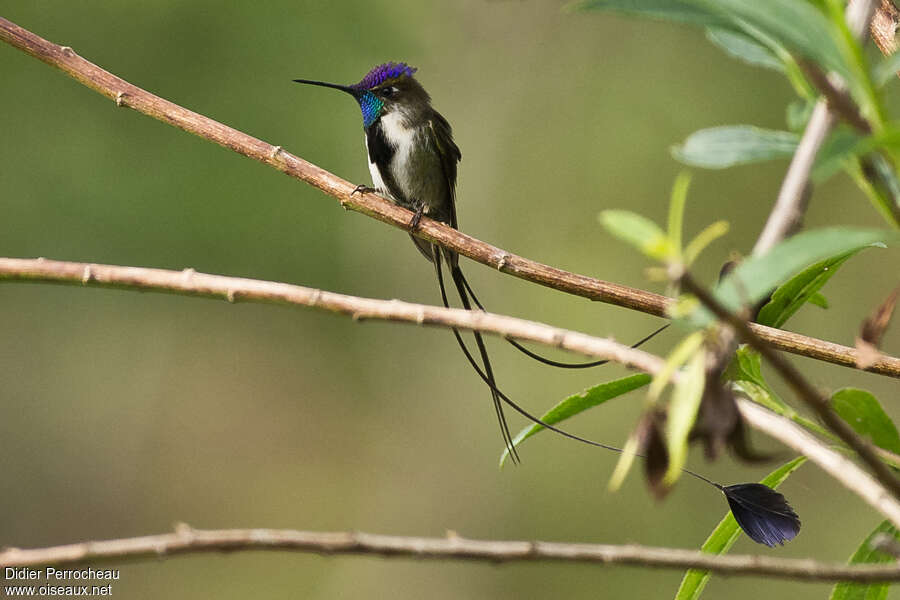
pixel 362 189
pixel 414 222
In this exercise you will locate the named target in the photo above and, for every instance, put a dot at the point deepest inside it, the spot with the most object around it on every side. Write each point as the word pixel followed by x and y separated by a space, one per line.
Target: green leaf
pixel 710 233
pixel 682 352
pixel 726 534
pixel 681 11
pixel 746 366
pixel 676 208
pixel 797 25
pixel 863 412
pixel 887 69
pixel 819 300
pixel 744 48
pixel 757 276
pixel 842 145
pixel 579 403
pixel 640 232
pixel 730 145
pixel 866 554
pixel 795 292
pixel 683 412
pixel 797 114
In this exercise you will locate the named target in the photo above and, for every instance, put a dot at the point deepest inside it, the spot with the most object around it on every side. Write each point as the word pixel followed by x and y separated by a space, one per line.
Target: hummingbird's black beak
pixel 344 88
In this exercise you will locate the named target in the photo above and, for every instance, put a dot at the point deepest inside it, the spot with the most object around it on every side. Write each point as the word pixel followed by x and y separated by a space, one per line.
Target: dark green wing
pixel 442 138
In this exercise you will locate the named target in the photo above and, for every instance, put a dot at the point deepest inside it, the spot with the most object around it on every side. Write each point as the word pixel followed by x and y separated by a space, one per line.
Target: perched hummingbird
pixel 413 162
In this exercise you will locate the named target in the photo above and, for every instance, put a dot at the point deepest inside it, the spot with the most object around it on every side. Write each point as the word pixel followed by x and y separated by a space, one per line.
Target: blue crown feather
pixel 382 73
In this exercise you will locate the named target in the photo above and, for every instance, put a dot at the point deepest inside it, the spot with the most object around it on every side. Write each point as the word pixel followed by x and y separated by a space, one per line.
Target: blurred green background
pixel 123 413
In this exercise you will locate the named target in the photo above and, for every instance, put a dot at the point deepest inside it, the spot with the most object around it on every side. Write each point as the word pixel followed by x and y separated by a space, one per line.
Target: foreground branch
pixel 794 192
pixel 802 387
pixel 186 540
pixel 236 289
pixel 835 464
pixel 128 95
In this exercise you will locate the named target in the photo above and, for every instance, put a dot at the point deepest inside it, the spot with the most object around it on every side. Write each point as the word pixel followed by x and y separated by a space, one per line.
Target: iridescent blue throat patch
pixel 371 106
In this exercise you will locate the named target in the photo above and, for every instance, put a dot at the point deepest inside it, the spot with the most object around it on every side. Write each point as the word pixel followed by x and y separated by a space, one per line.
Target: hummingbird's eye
pixel 388 91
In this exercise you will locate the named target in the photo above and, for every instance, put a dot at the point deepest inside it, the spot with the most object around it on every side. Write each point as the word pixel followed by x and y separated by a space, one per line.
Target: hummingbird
pixel 413 162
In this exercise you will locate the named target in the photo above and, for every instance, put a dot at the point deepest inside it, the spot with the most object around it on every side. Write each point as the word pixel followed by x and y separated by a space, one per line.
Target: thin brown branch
pixel 235 289
pixel 883 28
pixel 790 205
pixel 186 540
pixel 834 463
pixel 191 283
pixel 804 390
pixel 839 99
pixel 128 95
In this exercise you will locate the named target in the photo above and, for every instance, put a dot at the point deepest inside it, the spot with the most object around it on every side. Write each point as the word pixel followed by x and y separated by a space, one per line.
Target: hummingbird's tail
pixel 544 359
pixel 488 374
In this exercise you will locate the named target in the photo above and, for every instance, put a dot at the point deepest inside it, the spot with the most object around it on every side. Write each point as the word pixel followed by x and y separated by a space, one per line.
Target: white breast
pixel 401 138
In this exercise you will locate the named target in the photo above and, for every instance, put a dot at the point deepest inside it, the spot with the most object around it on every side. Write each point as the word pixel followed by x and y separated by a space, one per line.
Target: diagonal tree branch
pixel 186 540
pixel 793 195
pixel 835 464
pixel 128 95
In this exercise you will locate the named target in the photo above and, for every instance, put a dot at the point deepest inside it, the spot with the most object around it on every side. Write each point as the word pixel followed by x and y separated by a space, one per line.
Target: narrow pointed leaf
pixel 742 47
pixel 866 554
pixel 578 403
pixel 710 233
pixel 639 231
pixel 726 534
pixel 730 145
pixel 757 276
pixel 681 11
pixel 682 414
pixel 795 292
pixel 864 414
pixel 797 25
pixel 819 300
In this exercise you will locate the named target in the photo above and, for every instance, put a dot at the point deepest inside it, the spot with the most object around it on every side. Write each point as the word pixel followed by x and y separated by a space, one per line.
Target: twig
pixel 235 289
pixel 835 464
pixel 190 541
pixel 801 386
pixel 189 282
pixel 128 95
pixel 883 28
pixel 790 204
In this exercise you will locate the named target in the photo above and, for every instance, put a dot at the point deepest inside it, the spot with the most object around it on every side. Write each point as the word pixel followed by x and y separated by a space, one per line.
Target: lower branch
pixel 186 540
pixel 191 283
pixel 796 381
pixel 238 289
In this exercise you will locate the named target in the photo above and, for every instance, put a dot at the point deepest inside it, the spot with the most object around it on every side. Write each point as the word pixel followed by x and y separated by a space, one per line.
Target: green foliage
pixel 640 232
pixel 726 534
pixel 683 11
pixel 745 48
pixel 578 403
pixel 801 288
pixel 723 147
pixel 865 554
pixel 863 412
pixel 754 278
pixel 683 412
pixel 775 34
